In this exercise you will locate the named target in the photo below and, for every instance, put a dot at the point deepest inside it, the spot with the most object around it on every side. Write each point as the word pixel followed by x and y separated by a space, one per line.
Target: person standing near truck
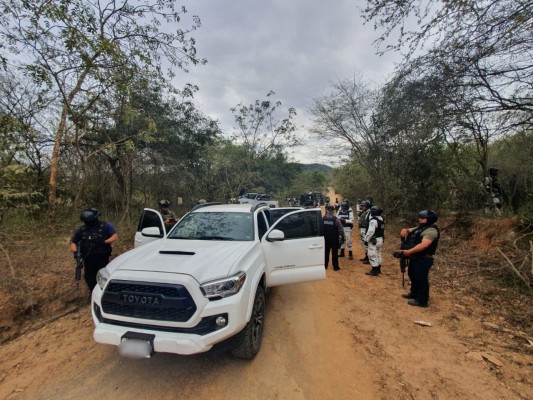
pixel 94 240
pixel 345 214
pixel 332 232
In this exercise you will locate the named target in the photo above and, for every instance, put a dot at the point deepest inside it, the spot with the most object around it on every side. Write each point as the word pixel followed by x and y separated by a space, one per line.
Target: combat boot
pixel 350 255
pixel 342 253
pixel 379 269
pixel 373 272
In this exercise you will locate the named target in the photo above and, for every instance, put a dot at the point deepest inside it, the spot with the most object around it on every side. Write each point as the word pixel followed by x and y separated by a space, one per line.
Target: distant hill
pixel 316 167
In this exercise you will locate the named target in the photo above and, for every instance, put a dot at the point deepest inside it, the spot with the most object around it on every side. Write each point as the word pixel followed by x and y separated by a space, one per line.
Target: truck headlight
pixel 102 277
pixel 223 287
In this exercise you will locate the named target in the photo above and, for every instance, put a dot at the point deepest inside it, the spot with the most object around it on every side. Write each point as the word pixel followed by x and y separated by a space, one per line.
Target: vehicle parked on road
pixel 256 198
pixel 205 282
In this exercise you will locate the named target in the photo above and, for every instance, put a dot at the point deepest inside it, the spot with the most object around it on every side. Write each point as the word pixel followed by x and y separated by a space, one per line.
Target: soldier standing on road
pixel 362 223
pixel 332 231
pixel 94 239
pixel 358 207
pixel 374 237
pixel 425 239
pixel 345 214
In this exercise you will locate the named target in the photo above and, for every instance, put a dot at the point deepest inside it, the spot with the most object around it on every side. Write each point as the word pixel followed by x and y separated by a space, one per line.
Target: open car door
pixel 294 248
pixel 150 228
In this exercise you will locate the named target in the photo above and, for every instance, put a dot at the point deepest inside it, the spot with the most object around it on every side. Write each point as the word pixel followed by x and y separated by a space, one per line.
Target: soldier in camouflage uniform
pixel 169 218
pixel 362 223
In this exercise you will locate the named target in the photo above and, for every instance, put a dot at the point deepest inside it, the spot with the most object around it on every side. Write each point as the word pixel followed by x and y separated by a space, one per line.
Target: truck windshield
pixel 215 226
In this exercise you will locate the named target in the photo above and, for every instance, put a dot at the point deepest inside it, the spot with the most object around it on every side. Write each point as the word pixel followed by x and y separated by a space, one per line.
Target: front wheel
pixel 250 339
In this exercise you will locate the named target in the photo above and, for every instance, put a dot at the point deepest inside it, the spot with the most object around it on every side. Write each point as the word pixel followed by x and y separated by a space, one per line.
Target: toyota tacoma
pixel 205 281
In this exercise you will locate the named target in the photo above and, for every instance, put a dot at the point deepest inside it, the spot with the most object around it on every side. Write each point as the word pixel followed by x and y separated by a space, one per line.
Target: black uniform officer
pixel 332 231
pixel 94 239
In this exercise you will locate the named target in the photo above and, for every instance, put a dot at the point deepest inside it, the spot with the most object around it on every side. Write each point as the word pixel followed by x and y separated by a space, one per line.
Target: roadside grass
pixel 37 270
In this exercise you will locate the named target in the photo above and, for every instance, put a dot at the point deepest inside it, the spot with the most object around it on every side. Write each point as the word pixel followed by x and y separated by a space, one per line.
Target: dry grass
pixel 37 271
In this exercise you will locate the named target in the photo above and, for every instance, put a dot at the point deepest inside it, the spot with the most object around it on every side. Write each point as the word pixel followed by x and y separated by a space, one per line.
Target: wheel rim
pixel 257 321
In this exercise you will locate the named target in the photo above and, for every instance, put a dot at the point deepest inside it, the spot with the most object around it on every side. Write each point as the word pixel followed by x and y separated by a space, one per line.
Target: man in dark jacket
pixel 94 239
pixel 425 239
pixel 332 231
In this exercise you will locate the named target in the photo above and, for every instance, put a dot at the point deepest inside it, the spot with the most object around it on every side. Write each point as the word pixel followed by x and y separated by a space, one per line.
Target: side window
pixel 300 225
pixel 262 225
pixel 150 219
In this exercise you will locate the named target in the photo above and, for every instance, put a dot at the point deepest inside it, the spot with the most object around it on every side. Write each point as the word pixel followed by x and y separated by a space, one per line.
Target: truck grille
pixel 156 301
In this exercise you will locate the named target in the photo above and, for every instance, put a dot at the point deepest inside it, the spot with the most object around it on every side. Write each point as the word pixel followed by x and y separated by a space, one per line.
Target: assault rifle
pixel 407 243
pixel 79 265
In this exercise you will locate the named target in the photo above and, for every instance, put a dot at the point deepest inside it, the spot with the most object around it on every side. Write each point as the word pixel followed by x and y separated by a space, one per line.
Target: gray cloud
pixel 296 48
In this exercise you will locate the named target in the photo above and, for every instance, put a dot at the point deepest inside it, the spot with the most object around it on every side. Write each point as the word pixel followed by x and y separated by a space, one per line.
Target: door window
pixel 300 225
pixel 150 219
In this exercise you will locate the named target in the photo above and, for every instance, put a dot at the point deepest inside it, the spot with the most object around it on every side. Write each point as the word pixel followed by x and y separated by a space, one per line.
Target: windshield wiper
pixel 214 238
pixel 181 237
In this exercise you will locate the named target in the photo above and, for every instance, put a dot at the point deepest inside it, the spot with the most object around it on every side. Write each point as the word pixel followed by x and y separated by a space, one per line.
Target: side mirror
pixel 152 231
pixel 276 236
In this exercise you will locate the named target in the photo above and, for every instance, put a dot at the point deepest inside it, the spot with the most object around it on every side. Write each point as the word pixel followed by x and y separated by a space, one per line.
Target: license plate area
pixel 136 345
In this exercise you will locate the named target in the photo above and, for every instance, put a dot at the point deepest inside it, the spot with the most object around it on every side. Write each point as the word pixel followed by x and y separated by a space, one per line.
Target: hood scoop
pixel 185 253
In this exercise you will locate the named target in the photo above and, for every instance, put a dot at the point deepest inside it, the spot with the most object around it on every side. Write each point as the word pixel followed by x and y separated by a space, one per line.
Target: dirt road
pixel 349 337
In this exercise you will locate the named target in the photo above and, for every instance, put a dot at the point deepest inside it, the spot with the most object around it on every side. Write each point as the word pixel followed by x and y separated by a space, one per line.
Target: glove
pixel 373 241
pixel 397 254
pixel 365 243
pixel 341 240
pixel 74 254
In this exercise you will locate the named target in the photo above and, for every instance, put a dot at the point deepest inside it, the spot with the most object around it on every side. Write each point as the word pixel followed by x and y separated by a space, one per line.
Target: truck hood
pixel 202 259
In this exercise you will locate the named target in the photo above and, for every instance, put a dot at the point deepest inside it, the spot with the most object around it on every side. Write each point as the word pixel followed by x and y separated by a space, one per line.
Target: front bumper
pixel 196 335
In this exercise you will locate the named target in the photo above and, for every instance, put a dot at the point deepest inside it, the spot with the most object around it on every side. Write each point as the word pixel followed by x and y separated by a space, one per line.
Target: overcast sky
pixel 295 48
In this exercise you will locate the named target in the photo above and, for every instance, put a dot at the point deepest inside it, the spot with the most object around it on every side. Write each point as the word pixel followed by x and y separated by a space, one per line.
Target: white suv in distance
pixel 205 281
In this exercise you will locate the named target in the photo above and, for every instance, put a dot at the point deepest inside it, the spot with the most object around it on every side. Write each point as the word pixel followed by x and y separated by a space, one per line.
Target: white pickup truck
pixel 257 198
pixel 205 281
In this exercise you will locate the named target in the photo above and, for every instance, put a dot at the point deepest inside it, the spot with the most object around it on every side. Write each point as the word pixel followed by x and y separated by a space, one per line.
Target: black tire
pixel 248 341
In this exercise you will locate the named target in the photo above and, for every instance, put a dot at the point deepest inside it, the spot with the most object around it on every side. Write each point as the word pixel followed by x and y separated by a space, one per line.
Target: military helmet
pixel 366 204
pixel 89 215
pixel 345 205
pixel 376 211
pixel 330 208
pixel 493 171
pixel 164 203
pixel 431 216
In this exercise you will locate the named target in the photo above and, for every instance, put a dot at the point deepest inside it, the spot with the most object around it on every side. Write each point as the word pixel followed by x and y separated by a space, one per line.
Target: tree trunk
pixel 54 162
pixel 54 167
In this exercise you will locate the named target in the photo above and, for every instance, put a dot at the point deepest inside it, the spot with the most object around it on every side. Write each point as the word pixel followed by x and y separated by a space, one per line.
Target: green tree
pixel 485 42
pixel 73 47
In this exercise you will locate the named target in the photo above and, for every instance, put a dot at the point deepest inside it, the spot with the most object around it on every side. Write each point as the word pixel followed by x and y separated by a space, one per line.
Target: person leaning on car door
pixel 94 239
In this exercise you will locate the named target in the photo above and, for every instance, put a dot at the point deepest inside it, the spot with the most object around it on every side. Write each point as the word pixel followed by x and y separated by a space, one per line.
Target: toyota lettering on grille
pixel 135 298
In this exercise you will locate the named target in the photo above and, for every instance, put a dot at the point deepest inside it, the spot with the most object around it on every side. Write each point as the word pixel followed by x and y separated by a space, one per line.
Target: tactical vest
pixel 417 239
pixel 331 232
pixel 345 214
pixel 380 229
pixel 92 241
pixel 362 222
